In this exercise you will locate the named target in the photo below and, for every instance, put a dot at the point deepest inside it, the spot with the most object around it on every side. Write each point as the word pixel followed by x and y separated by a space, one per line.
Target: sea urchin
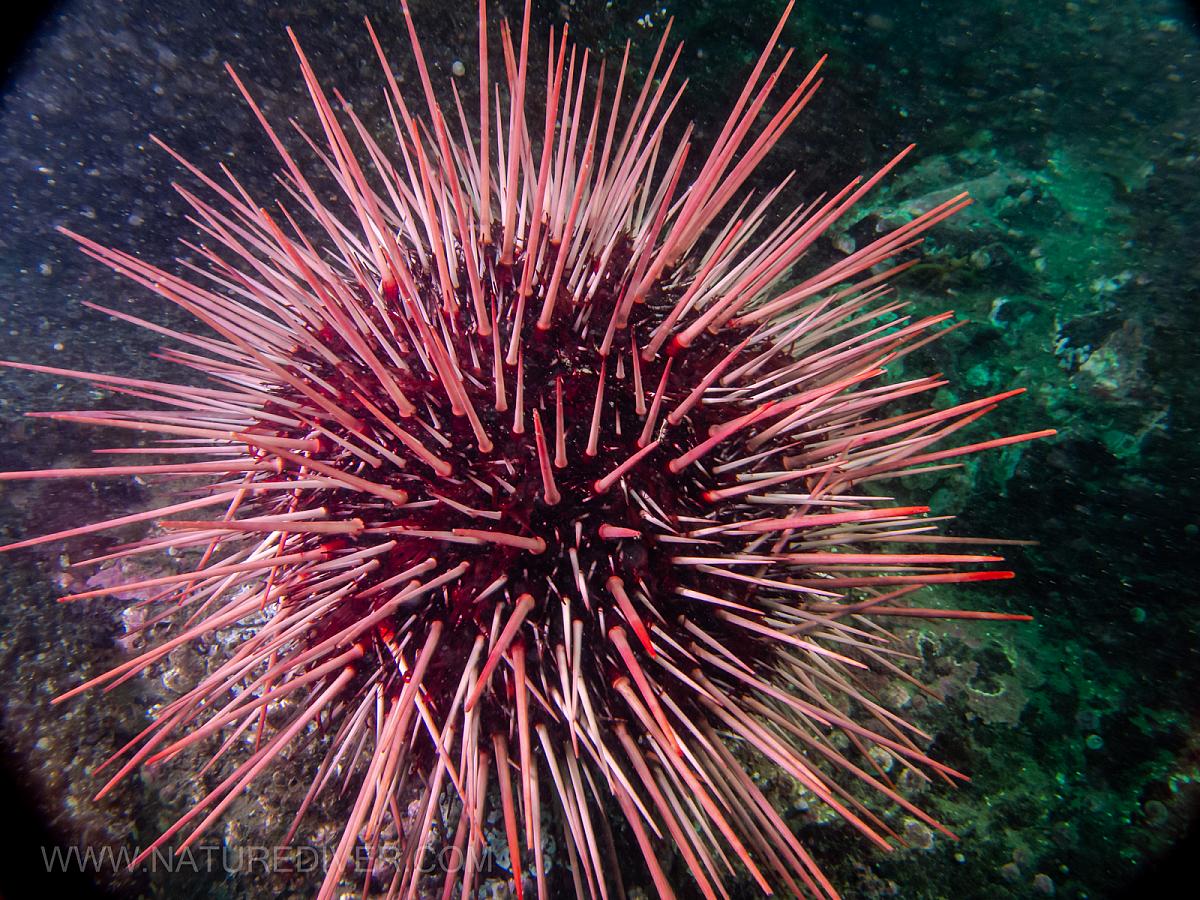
pixel 546 473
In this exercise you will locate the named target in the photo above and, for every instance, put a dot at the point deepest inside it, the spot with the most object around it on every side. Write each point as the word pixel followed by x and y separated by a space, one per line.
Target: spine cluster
pixel 550 471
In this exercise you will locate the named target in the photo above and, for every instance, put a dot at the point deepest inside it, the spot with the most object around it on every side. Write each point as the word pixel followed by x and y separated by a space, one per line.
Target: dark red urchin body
pixel 546 470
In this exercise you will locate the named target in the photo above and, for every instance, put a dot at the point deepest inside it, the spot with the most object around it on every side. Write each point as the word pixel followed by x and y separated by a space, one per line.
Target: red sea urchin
pixel 545 474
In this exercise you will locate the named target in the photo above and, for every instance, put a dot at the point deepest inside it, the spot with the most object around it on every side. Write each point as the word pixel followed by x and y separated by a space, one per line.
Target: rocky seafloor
pixel 1076 128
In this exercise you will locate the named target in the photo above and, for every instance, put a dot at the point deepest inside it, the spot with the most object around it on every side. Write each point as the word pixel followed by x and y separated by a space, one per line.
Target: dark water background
pixel 1077 128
